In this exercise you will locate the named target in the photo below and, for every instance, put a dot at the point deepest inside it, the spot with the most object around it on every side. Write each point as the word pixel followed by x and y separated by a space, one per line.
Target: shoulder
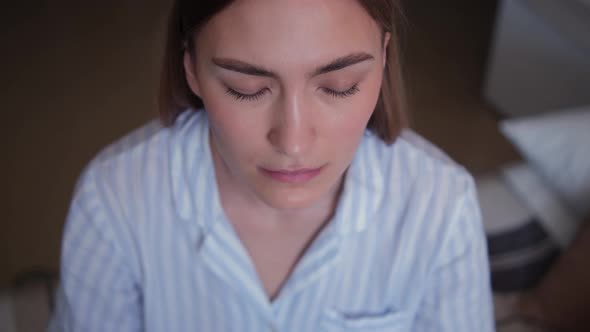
pixel 417 162
pixel 425 193
pixel 150 137
pixel 141 146
pixel 432 171
pixel 133 170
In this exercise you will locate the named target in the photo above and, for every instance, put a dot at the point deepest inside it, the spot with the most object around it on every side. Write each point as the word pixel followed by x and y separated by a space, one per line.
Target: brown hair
pixel 188 16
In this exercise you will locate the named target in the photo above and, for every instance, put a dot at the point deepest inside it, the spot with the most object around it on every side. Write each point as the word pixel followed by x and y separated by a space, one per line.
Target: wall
pixel 75 76
pixel 541 57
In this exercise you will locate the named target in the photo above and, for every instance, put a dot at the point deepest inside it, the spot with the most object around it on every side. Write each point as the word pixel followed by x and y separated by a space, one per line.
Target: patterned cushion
pixel 520 257
pixel 520 248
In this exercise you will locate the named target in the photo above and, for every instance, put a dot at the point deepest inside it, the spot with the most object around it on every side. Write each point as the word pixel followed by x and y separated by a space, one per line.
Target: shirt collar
pixel 192 175
pixel 363 188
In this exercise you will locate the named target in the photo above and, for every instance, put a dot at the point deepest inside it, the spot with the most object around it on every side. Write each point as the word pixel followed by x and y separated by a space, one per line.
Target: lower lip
pixel 292 177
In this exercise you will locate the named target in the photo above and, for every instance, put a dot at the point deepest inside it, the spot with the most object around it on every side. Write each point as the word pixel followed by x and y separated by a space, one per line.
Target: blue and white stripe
pixel 147 246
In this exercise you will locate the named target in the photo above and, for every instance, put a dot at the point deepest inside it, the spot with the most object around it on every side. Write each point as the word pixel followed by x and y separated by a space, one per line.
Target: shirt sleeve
pixel 458 297
pixel 98 291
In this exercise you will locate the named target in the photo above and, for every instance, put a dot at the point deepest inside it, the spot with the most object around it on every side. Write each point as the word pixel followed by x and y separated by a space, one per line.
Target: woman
pixel 294 201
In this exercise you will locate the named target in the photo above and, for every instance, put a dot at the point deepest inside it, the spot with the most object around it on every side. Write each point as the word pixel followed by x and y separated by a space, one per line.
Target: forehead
pixel 290 32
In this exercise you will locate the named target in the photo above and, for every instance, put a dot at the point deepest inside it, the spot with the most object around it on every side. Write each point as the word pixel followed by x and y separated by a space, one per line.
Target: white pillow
pixel 557 145
pixel 501 209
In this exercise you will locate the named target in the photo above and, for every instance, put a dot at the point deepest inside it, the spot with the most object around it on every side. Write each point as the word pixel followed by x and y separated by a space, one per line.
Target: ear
pixel 190 73
pixel 386 39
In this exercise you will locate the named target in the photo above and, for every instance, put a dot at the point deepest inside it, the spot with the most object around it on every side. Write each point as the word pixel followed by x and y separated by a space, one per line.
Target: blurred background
pixel 78 75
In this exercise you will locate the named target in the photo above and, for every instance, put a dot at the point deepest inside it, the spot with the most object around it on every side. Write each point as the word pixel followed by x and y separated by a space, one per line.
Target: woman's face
pixel 289 86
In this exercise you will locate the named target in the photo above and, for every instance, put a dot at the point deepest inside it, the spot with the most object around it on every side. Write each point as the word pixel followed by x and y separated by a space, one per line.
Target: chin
pixel 291 198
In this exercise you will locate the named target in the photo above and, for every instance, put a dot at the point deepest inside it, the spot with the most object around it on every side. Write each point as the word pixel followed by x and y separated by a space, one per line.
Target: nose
pixel 293 132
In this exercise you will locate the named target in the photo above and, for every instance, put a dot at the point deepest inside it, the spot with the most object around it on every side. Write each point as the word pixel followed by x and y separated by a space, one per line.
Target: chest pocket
pixel 398 321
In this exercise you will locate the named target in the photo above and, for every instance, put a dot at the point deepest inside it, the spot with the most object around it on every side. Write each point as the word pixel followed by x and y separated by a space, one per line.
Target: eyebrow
pixel 249 69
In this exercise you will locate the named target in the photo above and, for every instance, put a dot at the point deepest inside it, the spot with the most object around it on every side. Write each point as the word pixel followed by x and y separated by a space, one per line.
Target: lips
pixel 301 175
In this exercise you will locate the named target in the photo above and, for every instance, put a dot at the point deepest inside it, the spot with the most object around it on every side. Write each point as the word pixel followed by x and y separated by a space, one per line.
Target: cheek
pixel 347 129
pixel 355 114
pixel 228 121
pixel 231 133
pixel 230 126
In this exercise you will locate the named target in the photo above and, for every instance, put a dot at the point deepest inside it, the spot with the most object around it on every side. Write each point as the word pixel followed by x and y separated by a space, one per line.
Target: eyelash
pixel 241 96
pixel 342 94
pixel 254 97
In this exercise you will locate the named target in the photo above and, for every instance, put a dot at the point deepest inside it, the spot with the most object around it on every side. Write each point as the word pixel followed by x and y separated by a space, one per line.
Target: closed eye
pixel 342 94
pixel 255 96
pixel 245 97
